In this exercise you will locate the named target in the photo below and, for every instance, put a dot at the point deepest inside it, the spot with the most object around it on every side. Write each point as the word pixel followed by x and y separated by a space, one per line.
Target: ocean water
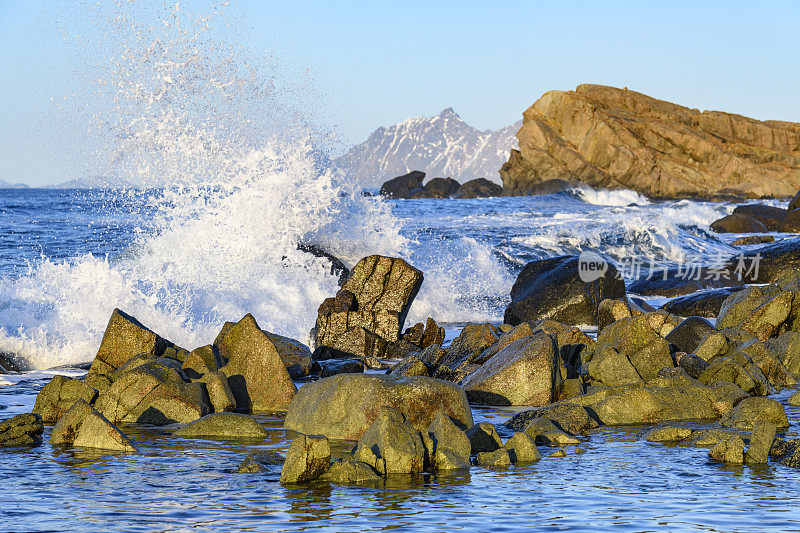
pixel 231 181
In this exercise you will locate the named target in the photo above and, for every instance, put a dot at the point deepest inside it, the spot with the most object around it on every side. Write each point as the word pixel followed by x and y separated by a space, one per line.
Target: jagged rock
pixel 616 138
pixel 787 348
pixel 201 361
pixel 609 311
pixel 749 410
pixel 431 356
pixel 384 288
pixel 569 417
pixel 525 372
pixel 451 446
pixel 737 223
pixel 347 366
pixel 223 426
pixel 59 395
pixel 794 400
pixel 470 343
pixel 401 349
pixel 753 351
pixel 294 354
pixel 344 406
pixel 749 240
pixel 687 335
pixel 776 260
pixel 574 347
pixel 552 288
pixel 410 366
pixel 728 450
pixel 220 394
pixel 478 188
pixel 522 449
pixel 391 445
pixel 496 459
pixel 403 186
pixel 760 442
pixel 349 472
pixel 260 462
pixel 757 310
pixel 166 364
pixel 786 452
pixel 124 338
pixel 483 437
pixel 705 303
pixel 768 215
pixel 432 334
pixel 308 458
pixel 728 370
pixel 84 427
pixel 153 395
pixel 667 434
pixel 691 364
pixel 353 342
pixel 543 431
pixel 21 430
pixel 517 332
pixel 256 373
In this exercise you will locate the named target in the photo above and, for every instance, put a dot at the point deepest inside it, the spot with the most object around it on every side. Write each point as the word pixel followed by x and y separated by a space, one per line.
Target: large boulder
pixel 450 446
pixel 59 395
pixel 382 289
pixel 403 186
pixel 441 188
pixel 223 426
pixel 750 410
pixel 466 348
pixel 124 338
pixel 738 223
pixel 256 373
pixel 308 458
pixel 478 188
pixel 21 430
pixel 553 288
pixel 705 303
pixel 525 372
pixel 768 215
pixel 84 427
pixel 790 223
pixel 687 335
pixel 757 310
pixel 344 406
pixel 391 445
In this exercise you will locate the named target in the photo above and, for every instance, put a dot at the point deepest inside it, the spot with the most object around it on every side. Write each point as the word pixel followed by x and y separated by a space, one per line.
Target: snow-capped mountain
pixel 441 146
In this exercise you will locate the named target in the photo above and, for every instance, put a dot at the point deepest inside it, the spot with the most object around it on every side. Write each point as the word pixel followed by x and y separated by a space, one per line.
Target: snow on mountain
pixel 441 146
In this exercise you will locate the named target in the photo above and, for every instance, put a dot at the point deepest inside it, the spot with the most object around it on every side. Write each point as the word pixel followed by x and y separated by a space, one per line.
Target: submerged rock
pixel 391 445
pixel 349 471
pixel 761 440
pixel 750 410
pixel 344 406
pixel 728 450
pixel 667 434
pixel 522 449
pixel 21 430
pixel 497 458
pixel 60 394
pixel 260 462
pixel 451 448
pixel 483 437
pixel 543 431
pixel 223 426
pixel 84 427
pixel 308 458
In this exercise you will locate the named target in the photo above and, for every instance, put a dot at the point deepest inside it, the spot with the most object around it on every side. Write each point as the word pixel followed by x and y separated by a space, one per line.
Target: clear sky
pixel 375 63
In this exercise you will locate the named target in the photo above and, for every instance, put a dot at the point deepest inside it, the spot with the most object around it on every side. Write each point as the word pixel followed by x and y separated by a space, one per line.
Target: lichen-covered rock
pixel 552 288
pixel 757 310
pixel 569 417
pixel 787 348
pixel 219 392
pixel 667 434
pixel 201 361
pixel 786 452
pixel 749 410
pixel 391 445
pixel 483 437
pixel 525 372
pixel 308 458
pixel 256 373
pixel 495 459
pixel 348 471
pixel 153 395
pixel 410 366
pixel 469 345
pixel 543 431
pixel 260 462
pixel 747 377
pixel 708 438
pixel 124 338
pixel 223 426
pixel 761 440
pixel 84 427
pixel 687 335
pixel 522 448
pixel 344 406
pixel 728 450
pixel 451 446
pixel 21 430
pixel 517 332
pixel 691 364
pixel 60 394
pixel 609 311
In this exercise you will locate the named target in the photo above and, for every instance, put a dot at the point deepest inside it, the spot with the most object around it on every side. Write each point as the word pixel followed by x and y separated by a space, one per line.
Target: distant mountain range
pixel 441 146
pixel 7 185
pixel 93 182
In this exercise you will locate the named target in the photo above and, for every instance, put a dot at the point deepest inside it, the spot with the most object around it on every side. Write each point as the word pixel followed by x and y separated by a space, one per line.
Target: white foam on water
pixel 619 197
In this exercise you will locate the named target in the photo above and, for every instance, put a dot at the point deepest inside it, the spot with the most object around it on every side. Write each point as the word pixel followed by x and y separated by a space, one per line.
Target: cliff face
pixel 615 138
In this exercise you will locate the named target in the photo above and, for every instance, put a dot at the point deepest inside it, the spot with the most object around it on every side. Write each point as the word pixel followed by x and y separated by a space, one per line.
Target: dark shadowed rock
pixel 21 430
pixel 478 188
pixel 344 406
pixel 790 223
pixel 768 215
pixel 470 343
pixel 738 223
pixel 201 361
pixel 346 366
pixel 260 462
pixel 691 364
pixel 441 188
pixel 552 288
pixel 403 186
pixel 705 303
pixel 687 335
pixel 568 417
pixel 483 437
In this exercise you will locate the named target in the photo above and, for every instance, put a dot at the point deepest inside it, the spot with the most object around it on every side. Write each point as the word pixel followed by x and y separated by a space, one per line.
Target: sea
pixel 231 183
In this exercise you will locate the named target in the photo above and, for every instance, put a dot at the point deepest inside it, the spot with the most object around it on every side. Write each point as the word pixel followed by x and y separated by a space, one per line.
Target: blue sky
pixel 376 63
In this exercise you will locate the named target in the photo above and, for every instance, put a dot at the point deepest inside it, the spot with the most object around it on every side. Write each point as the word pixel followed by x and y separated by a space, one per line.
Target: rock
pixel 705 303
pixel 153 395
pixel 391 445
pixel 790 223
pixel 294 354
pixel 569 417
pixel 432 334
pixel 220 394
pixel 752 352
pixel 738 224
pixel 441 188
pixel 760 442
pixel 728 370
pixel 615 138
pixel 794 203
pixel 471 342
pixel 165 364
pixel 517 332
pixel 687 335
pixel 681 280
pixel 403 186
pixel 401 349
pixel 308 458
pixel 59 395
pixel 691 364
pixel 660 400
pixel 344 406
pixel 451 446
pixel 260 462
pixel 786 452
pixel 574 347
pixel 667 434
pixel 353 342
pixel 124 338
pixel 349 472
pixel 8 364
pixel 543 431
pixel 766 214
pixel 410 366
pixel 348 366
pixel 749 240
pixel 384 288
pixel 794 400
pixel 708 438
pixel 749 410
pixel 201 361
pixel 84 427
pixel 483 437
pixel 775 260
pixel 223 426
pixel 256 373
pixel 496 459
pixel 21 430
pixel 525 372
pixel 757 310
pixel 431 356
pixel 610 311
pixel 522 449
pixel 558 454
pixel 787 348
pixel 552 288
pixel 728 450
pixel 478 188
